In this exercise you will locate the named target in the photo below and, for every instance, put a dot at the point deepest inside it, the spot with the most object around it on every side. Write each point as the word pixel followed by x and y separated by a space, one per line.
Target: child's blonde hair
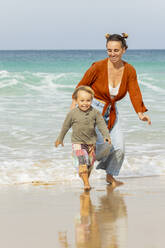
pixel 83 88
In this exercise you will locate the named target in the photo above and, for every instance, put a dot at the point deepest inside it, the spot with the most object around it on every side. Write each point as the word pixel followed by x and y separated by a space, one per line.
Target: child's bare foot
pixel 114 183
pixel 83 173
pixel 84 177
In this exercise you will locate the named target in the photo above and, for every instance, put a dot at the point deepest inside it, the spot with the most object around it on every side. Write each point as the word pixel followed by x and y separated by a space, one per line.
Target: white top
pixel 114 90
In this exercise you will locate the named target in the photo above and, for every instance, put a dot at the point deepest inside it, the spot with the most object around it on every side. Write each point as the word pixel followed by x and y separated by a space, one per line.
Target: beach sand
pixel 62 215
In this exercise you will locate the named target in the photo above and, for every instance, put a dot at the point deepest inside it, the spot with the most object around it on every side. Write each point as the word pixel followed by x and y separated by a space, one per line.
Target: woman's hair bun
pixel 125 35
pixel 107 35
pixel 117 37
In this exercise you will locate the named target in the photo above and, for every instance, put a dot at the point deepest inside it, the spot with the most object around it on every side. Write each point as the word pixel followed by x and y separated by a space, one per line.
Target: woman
pixel 111 79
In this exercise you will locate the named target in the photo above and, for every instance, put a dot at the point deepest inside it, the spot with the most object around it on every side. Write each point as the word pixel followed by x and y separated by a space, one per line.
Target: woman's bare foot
pixel 114 183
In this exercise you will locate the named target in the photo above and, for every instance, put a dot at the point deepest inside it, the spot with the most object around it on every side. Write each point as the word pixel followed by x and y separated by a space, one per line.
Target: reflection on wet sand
pixel 86 227
pixel 62 237
pixel 103 225
pixel 98 227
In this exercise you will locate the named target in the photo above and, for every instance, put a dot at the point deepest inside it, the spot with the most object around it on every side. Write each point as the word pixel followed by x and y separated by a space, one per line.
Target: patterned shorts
pixel 83 154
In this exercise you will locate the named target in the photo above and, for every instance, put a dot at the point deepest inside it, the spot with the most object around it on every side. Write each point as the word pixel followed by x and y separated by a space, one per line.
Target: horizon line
pixel 77 49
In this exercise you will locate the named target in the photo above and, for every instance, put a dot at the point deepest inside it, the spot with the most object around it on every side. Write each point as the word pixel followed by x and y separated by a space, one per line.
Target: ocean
pixel 35 95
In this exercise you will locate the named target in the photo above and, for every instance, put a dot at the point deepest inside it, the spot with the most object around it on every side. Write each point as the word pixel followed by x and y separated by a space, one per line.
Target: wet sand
pixel 62 215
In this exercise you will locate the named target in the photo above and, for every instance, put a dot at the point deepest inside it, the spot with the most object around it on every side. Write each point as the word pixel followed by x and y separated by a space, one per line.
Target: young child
pixel 83 120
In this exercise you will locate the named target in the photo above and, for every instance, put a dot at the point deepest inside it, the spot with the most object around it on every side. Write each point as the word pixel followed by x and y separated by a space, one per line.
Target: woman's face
pixel 115 51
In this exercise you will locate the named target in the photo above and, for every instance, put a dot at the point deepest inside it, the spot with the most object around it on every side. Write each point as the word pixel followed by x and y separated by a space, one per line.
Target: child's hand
pixel 57 143
pixel 107 140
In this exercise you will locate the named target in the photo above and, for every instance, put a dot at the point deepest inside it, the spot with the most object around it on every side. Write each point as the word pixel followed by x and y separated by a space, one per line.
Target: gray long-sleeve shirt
pixel 83 125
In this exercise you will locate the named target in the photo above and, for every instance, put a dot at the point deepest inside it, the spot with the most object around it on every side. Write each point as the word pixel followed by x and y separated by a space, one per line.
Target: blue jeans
pixel 112 162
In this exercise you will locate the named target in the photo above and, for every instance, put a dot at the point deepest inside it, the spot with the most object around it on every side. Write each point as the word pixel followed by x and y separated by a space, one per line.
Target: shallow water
pixel 35 94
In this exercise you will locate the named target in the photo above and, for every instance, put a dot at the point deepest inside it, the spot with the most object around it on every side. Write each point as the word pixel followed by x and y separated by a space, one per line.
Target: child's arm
pixel 103 127
pixel 66 126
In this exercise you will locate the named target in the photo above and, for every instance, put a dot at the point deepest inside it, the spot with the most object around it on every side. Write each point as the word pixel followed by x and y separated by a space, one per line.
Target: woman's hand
pixel 144 117
pixel 73 105
pixel 107 140
pixel 57 143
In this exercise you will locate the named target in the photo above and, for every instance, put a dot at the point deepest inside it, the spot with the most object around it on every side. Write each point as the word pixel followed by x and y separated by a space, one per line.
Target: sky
pixel 75 24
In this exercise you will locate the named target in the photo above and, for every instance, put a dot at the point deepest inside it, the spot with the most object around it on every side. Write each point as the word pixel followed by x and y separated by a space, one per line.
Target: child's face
pixel 84 100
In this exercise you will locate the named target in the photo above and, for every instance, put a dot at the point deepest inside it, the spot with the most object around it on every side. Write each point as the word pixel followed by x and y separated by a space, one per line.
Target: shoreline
pixel 62 215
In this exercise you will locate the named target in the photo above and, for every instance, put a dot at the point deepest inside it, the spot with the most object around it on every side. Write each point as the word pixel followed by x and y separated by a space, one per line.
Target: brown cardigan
pixel 97 78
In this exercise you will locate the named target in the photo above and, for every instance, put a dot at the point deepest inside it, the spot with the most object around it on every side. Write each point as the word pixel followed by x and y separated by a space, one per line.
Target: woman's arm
pixel 88 78
pixel 136 96
pixel 73 104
